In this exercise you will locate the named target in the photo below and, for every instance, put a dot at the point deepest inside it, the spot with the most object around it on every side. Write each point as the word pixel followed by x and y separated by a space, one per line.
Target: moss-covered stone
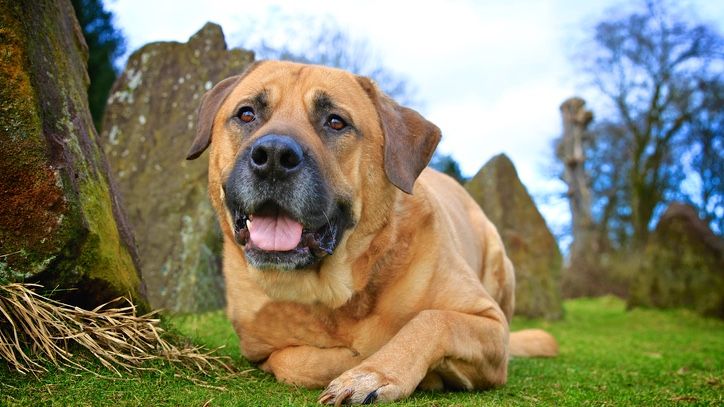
pixel 59 222
pixel 682 265
pixel 148 127
pixel 528 241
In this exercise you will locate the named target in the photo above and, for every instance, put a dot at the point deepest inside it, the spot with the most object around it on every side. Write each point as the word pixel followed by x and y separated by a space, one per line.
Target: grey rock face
pixel 528 241
pixel 149 125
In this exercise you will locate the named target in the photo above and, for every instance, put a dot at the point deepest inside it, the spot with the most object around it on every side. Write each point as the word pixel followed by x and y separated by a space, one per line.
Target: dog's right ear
pixel 210 104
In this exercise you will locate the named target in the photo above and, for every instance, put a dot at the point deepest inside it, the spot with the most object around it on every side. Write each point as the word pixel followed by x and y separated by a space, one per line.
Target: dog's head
pixel 301 155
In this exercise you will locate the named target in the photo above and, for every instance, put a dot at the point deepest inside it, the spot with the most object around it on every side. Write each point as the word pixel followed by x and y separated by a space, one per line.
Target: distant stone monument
pixel 148 127
pixel 584 274
pixel 682 265
pixel 528 241
pixel 60 221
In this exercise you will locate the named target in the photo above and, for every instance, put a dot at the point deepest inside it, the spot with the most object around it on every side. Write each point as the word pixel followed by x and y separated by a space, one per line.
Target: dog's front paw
pixel 361 386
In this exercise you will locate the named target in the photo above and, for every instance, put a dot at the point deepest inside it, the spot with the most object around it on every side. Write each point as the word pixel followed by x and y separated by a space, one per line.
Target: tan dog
pixel 348 264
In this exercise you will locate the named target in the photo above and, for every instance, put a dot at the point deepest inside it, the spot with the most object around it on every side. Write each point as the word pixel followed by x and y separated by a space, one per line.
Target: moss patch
pixel 682 265
pixel 34 214
pixel 57 220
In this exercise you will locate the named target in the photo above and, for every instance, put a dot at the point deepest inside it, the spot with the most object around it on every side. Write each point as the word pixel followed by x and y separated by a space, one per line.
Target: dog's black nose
pixel 276 156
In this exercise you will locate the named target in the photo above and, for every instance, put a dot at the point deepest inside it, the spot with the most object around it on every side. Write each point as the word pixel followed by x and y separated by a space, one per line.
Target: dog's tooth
pixel 248 224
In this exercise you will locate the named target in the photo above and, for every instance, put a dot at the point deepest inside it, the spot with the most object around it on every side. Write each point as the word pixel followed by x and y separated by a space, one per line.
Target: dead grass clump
pixel 34 327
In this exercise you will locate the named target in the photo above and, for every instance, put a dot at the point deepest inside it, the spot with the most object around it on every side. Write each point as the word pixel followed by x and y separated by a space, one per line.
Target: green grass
pixel 609 356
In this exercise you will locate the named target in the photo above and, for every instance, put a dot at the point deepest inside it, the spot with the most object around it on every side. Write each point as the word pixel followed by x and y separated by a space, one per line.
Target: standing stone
pixel 60 222
pixel 682 266
pixel 584 272
pixel 528 241
pixel 148 127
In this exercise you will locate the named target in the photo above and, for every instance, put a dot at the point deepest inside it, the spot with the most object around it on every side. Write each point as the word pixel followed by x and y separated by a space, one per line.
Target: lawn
pixel 609 356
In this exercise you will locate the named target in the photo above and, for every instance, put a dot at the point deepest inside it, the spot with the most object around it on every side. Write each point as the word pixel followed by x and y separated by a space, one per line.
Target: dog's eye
pixel 246 114
pixel 335 122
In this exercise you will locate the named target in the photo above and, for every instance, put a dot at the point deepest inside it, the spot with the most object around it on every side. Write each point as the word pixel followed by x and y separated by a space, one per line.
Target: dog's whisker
pixel 327 218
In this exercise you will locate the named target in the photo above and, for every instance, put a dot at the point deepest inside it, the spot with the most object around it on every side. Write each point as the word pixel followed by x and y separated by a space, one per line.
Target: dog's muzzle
pixel 284 214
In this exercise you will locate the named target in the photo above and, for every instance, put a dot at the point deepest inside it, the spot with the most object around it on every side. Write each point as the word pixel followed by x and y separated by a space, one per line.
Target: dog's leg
pixel 432 339
pixel 309 366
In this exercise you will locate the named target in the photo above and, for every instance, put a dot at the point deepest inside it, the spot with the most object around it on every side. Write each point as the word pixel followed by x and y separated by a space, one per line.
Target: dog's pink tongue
pixel 275 233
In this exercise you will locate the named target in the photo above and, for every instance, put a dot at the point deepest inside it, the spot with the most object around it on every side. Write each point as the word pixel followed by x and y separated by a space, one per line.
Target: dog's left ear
pixel 410 139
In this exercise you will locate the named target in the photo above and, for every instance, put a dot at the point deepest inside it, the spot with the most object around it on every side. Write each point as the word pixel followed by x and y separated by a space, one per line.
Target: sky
pixel 490 74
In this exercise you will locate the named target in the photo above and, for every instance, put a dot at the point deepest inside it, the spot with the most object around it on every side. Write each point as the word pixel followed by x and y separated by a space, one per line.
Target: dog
pixel 349 265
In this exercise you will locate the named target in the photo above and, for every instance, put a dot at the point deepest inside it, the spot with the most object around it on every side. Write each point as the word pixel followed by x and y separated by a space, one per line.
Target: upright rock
pixel 148 127
pixel 682 265
pixel 584 272
pixel 60 223
pixel 528 241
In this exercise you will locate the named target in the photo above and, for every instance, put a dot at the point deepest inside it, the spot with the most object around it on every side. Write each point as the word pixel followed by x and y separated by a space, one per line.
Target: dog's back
pixel 475 234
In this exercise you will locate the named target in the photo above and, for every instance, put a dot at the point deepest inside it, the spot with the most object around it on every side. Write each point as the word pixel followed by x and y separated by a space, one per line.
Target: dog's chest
pixel 280 324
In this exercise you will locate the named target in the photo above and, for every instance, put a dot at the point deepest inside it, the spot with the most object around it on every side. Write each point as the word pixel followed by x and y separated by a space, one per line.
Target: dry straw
pixel 34 327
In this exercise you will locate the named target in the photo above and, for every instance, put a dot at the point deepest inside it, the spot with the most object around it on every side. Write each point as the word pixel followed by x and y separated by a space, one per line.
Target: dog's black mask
pixel 285 215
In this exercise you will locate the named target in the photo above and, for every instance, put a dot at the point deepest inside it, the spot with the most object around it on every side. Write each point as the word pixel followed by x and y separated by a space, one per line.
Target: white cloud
pixel 520 122
pixel 491 74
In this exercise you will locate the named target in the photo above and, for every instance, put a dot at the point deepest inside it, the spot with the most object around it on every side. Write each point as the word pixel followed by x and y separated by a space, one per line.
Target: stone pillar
pixel 148 127
pixel 528 242
pixel 61 224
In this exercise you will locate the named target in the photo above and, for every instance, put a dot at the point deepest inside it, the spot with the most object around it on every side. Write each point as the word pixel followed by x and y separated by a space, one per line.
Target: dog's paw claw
pixel 360 387
pixel 337 399
pixel 370 398
pixel 325 397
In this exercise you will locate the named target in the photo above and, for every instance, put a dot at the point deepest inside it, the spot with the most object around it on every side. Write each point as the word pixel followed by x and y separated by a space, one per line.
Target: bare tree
pixel 658 70
pixel 707 157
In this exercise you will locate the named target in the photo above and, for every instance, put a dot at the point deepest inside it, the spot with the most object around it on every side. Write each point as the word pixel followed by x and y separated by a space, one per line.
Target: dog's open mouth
pixel 272 236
